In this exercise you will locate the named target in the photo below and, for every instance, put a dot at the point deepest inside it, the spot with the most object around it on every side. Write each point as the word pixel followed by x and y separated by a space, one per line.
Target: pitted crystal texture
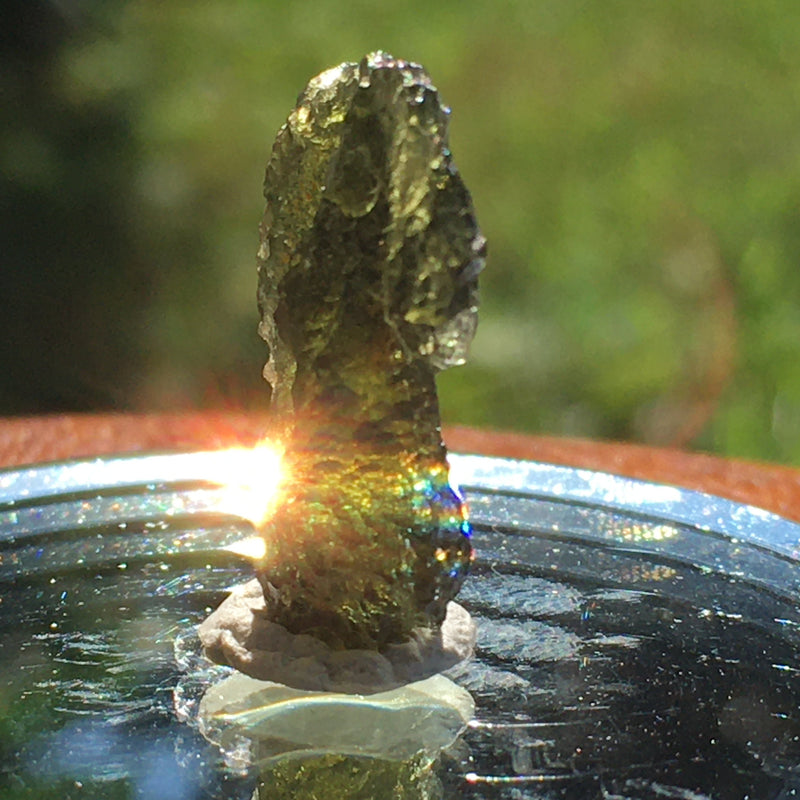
pixel 368 268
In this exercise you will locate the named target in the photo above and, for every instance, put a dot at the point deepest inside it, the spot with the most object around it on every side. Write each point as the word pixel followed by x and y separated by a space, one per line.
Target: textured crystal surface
pixel 368 268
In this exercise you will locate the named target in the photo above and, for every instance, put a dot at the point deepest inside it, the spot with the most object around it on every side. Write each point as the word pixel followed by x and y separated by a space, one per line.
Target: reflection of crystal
pixel 337 777
pixel 336 746
pixel 368 268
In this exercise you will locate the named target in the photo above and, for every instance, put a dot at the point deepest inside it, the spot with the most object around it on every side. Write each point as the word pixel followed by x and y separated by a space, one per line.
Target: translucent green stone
pixel 368 268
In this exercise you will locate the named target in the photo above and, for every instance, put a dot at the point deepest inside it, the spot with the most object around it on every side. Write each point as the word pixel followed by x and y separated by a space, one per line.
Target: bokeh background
pixel 635 167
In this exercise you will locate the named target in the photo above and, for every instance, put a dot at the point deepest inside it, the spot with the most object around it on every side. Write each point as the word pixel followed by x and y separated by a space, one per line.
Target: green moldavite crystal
pixel 368 268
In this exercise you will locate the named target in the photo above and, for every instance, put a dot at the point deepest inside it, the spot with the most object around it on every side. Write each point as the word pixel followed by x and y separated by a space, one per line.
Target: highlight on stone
pixel 368 268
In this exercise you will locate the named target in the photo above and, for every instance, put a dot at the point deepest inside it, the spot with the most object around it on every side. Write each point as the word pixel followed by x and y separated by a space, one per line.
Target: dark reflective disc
pixel 635 640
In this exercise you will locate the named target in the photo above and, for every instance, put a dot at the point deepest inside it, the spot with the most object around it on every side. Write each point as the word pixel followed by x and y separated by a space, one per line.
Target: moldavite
pixel 368 268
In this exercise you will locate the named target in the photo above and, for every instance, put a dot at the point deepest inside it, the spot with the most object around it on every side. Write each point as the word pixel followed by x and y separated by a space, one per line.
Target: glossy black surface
pixel 635 641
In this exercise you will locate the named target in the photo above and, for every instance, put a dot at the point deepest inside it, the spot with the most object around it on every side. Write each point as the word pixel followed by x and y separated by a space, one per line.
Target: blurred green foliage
pixel 635 168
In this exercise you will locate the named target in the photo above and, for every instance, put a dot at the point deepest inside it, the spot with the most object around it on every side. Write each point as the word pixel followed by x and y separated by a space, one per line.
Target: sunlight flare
pixel 249 479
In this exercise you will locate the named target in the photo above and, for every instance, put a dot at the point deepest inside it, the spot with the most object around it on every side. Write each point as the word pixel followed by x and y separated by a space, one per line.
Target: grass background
pixel 635 167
